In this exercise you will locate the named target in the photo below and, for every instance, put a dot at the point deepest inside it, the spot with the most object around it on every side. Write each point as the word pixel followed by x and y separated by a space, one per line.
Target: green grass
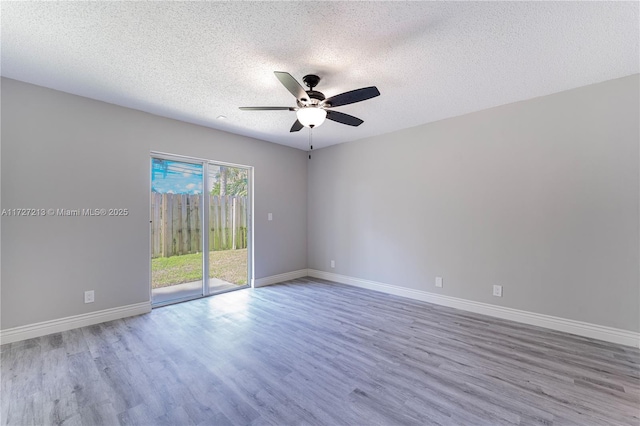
pixel 228 265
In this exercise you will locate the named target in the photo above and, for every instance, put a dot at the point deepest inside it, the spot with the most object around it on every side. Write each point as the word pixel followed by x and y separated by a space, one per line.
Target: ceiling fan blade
pixel 292 85
pixel 267 108
pixel 351 97
pixel 297 126
pixel 343 118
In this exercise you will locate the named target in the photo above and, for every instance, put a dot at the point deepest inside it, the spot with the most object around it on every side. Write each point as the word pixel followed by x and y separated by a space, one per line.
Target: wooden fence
pixel 176 221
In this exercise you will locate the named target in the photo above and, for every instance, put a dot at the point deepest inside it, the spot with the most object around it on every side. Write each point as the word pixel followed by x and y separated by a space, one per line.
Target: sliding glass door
pixel 228 227
pixel 185 194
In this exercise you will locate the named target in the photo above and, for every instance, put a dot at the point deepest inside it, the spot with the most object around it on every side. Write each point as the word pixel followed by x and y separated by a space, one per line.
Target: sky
pixel 176 177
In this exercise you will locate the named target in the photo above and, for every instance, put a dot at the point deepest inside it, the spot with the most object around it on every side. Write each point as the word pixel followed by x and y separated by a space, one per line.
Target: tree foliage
pixel 231 181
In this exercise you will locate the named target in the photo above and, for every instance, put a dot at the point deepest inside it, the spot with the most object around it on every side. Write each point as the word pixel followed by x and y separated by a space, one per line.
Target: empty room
pixel 320 213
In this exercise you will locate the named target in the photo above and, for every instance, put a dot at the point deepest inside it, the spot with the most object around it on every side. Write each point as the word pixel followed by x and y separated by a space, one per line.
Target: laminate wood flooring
pixel 311 352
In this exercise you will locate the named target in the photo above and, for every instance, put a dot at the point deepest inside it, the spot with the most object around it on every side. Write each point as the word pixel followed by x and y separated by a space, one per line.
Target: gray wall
pixel 540 196
pixel 65 151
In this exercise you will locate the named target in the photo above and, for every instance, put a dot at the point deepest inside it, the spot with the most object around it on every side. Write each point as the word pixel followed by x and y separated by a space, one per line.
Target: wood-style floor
pixel 313 352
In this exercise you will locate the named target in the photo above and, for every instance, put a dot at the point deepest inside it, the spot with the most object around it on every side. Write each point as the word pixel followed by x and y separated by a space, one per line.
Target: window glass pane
pixel 176 234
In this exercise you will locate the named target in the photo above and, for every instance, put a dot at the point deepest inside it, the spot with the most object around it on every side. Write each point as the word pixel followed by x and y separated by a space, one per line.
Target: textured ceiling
pixel 195 61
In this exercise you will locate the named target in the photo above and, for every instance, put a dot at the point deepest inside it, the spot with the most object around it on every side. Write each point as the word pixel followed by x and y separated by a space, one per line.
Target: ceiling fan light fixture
pixel 311 116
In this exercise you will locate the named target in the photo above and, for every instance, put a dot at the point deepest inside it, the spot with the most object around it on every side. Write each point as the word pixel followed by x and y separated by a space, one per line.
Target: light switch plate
pixel 438 281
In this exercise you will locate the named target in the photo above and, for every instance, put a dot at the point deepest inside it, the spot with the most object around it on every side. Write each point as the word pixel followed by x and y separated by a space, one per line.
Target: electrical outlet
pixel 497 290
pixel 438 281
pixel 333 263
pixel 89 296
pixel 270 216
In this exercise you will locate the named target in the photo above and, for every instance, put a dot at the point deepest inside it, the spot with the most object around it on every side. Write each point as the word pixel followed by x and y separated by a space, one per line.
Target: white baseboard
pixel 30 331
pixel 608 334
pixel 274 279
pixel 594 331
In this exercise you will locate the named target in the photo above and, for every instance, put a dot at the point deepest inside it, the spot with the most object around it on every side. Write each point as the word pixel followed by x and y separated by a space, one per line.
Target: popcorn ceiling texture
pixel 194 61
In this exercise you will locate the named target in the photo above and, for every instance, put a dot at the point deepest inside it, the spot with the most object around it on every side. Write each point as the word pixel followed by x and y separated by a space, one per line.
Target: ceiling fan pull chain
pixel 310 142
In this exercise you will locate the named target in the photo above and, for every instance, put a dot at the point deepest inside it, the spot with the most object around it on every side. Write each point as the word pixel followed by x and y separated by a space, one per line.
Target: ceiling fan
pixel 313 107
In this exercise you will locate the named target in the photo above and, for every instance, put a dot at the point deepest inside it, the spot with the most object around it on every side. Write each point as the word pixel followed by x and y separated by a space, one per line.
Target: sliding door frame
pixel 204 216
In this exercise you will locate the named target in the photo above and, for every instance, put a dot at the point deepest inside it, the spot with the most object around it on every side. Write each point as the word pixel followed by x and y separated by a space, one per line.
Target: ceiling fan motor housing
pixel 315 98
